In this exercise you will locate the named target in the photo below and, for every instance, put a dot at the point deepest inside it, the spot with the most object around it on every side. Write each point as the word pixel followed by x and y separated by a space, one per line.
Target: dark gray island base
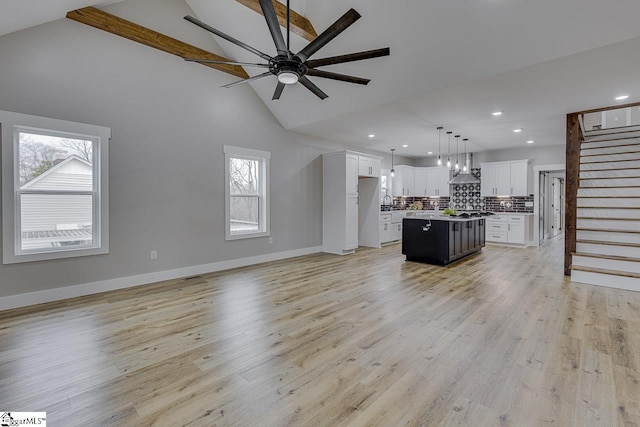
pixel 441 240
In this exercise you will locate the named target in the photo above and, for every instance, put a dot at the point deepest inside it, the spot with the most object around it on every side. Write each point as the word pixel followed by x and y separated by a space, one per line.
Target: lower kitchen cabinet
pixel 508 228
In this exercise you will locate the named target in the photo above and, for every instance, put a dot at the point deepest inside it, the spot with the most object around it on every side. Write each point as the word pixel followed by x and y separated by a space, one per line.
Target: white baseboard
pixel 49 295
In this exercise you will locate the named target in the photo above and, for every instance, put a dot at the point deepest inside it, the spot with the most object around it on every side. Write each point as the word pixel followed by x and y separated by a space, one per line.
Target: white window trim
pixel 10 123
pixel 265 219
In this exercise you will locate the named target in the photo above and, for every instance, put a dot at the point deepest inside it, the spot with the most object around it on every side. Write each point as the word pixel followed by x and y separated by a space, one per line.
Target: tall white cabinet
pixel 351 202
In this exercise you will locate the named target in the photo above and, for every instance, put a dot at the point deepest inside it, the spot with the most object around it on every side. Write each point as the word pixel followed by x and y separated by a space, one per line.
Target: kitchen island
pixel 440 239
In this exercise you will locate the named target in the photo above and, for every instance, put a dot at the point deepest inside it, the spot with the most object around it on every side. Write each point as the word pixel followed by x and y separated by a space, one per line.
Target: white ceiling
pixel 452 63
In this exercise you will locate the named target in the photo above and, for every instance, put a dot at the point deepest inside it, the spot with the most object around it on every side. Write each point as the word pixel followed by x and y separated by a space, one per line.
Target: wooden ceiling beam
pixel 299 24
pixel 121 27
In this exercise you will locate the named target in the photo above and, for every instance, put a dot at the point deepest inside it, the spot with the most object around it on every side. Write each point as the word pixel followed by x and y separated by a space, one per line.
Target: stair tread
pixel 607 218
pixel 608 169
pixel 609 207
pixel 611 146
pixel 600 242
pixel 610 161
pixel 605 271
pixel 608 230
pixel 608 197
pixel 609 154
pixel 611 186
pixel 611 257
pixel 610 177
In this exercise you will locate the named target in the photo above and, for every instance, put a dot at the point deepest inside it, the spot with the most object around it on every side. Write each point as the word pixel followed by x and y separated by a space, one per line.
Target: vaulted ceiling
pixel 452 64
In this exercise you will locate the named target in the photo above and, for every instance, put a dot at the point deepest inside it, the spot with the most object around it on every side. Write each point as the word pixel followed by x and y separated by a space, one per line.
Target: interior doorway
pixel 549 199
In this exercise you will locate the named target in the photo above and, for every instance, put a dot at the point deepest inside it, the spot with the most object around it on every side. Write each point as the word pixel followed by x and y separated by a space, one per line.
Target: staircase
pixel 608 209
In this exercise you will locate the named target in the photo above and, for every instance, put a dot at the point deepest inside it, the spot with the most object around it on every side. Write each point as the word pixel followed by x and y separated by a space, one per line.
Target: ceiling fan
pixel 291 68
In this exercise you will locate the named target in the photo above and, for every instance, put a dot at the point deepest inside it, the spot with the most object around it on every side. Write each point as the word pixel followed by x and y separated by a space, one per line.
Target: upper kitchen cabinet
pixel 351 172
pixel 368 166
pixel 420 182
pixel 438 182
pixel 403 183
pixel 513 178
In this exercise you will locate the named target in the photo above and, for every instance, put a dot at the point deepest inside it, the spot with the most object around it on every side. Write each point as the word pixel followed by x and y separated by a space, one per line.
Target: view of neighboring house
pixel 50 220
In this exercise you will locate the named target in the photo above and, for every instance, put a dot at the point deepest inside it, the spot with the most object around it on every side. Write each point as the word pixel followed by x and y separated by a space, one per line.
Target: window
pixel 54 188
pixel 247 192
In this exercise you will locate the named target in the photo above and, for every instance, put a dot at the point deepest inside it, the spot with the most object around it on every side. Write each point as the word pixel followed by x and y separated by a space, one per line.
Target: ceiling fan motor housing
pixel 281 64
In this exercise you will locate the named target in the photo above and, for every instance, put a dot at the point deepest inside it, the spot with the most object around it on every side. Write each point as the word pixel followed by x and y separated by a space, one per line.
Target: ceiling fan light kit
pixel 290 68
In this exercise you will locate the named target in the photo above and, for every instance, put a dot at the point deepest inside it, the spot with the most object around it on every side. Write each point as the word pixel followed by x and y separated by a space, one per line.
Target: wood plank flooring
pixel 500 338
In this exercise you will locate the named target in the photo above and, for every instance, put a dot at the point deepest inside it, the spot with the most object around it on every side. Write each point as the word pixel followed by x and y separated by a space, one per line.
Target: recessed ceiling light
pixel 497 113
pixel 531 141
pixel 430 152
pixel 517 130
pixel 371 135
pixel 621 97
pixel 404 145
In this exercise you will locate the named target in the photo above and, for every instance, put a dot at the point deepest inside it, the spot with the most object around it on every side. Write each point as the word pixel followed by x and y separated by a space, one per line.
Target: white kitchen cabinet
pixel 351 206
pixel 385 228
pixel 420 182
pixel 396 231
pixel 351 231
pixel 351 176
pixel 438 182
pixel 520 181
pixel 403 181
pixel 368 166
pixel 511 178
pixel 508 228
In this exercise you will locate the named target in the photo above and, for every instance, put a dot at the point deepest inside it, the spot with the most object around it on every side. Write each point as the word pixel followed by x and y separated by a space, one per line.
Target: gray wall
pixel 540 155
pixel 169 121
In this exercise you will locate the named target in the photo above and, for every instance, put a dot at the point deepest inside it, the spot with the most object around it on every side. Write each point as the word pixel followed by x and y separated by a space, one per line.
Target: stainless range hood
pixel 465 178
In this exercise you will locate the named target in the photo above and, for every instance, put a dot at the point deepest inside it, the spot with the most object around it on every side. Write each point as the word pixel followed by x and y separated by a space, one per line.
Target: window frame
pixel 264 157
pixel 11 125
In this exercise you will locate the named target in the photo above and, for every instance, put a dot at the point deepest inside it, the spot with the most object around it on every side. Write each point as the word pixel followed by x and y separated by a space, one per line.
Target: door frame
pixel 562 167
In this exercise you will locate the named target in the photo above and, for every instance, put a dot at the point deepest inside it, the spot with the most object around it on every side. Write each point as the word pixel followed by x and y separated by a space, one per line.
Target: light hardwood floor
pixel 501 338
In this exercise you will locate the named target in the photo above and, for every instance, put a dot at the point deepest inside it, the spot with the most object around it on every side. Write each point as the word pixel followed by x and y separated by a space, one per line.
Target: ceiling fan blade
pixel 214 61
pixel 313 88
pixel 359 56
pixel 227 37
pixel 278 92
pixel 329 34
pixel 250 79
pixel 336 76
pixel 274 26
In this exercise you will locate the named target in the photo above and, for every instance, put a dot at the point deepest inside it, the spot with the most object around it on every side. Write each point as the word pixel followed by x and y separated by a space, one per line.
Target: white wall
pixel 169 121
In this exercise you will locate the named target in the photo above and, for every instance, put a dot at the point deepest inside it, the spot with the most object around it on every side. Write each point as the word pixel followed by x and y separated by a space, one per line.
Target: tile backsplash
pixel 509 204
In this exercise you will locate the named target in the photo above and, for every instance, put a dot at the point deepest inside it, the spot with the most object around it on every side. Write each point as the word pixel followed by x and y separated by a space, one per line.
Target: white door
pixel 351 231
pixel 558 190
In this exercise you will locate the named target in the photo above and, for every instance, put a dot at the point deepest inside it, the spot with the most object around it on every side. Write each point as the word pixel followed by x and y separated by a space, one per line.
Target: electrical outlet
pixel 271 240
pixel 154 255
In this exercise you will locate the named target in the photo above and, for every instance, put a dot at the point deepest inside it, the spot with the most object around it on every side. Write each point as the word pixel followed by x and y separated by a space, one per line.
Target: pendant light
pixel 439 137
pixel 457 153
pixel 449 151
pixel 465 156
pixel 393 173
